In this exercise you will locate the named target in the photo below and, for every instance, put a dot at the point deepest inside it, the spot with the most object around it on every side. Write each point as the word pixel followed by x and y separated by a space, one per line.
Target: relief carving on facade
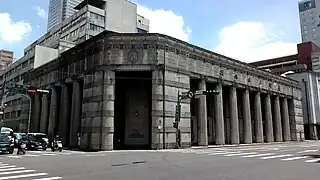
pixel 133 56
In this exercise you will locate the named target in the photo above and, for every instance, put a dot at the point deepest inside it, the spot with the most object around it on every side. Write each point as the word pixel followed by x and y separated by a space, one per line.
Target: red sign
pixel 32 90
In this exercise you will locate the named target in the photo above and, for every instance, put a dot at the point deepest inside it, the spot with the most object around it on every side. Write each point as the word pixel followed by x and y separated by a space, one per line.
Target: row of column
pixel 58 113
pixel 277 127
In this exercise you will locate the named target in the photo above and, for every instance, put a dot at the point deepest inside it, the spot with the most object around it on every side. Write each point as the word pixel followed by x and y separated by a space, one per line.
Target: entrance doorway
pixel 132 121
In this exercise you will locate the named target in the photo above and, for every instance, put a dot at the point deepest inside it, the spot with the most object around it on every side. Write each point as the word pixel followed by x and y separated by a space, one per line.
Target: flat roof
pixel 95 3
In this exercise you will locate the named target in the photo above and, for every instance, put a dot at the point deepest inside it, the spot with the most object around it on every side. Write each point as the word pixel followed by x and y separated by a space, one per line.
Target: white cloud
pixel 166 22
pixel 40 12
pixel 253 41
pixel 11 31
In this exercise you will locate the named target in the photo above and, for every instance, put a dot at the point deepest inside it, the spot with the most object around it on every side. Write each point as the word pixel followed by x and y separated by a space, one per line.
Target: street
pixel 283 161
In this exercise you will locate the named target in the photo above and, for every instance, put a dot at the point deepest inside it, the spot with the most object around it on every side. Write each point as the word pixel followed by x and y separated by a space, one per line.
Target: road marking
pixel 14 157
pixel 3 164
pixel 32 155
pixel 12 169
pixel 313 160
pixel 240 154
pixel 306 151
pixel 17 172
pixel 294 158
pixel 50 178
pixel 222 153
pixel 4 167
pixel 23 176
pixel 279 156
pixel 258 155
pixel 269 149
pixel 48 154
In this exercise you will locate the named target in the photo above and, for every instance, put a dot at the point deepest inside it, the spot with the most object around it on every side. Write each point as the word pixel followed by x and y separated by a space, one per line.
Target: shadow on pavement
pixel 315 156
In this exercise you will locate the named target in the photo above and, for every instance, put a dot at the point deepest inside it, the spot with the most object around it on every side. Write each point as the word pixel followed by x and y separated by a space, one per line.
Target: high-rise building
pixel 6 58
pixel 309 12
pixel 59 10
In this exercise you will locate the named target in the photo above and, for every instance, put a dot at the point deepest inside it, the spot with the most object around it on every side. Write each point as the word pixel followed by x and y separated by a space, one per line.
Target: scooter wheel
pixel 60 150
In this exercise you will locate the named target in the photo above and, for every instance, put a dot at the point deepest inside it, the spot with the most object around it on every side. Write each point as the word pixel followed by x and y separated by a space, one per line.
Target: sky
pixel 246 30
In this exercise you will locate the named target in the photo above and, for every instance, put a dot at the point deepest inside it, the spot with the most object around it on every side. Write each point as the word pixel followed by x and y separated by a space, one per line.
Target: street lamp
pixel 29 115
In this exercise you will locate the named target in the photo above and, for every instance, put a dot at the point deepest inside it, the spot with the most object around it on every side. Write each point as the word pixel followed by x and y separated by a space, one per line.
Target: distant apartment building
pixel 300 62
pixel 91 18
pixel 6 58
pixel 60 10
pixel 309 12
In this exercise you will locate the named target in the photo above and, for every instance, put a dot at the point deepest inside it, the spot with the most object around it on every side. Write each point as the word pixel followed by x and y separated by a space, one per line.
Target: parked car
pixel 17 137
pixel 36 141
pixel 6 143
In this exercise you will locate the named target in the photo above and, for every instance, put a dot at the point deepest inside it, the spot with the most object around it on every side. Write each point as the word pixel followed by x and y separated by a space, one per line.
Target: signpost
pixel 187 95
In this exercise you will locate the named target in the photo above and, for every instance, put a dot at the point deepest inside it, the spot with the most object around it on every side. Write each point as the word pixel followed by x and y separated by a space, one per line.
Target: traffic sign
pixel 32 90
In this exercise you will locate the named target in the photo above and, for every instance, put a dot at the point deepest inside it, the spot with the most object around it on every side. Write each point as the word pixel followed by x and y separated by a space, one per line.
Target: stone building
pixel 119 91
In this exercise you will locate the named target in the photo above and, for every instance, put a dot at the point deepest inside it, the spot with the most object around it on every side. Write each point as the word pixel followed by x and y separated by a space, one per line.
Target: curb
pixel 240 145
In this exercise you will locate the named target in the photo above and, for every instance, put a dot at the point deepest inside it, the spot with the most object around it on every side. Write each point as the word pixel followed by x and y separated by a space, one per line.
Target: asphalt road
pixel 293 161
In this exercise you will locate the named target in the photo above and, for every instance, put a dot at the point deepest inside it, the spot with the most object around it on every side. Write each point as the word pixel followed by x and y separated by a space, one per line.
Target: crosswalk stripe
pixel 49 154
pixel 279 156
pixel 313 160
pixel 4 167
pixel 306 151
pixel 294 158
pixel 17 172
pixel 12 169
pixel 240 154
pixel 222 153
pixel 3 164
pixel 32 155
pixel 14 157
pixel 49 178
pixel 23 176
pixel 258 155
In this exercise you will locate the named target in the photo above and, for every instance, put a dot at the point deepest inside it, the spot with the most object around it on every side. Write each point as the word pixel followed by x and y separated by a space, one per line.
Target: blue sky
pixel 243 29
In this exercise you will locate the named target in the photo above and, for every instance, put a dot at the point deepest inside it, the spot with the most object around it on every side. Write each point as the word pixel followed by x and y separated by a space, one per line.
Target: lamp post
pixel 29 115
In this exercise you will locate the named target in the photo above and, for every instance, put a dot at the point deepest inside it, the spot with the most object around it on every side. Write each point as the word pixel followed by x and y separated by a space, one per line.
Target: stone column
pixel 108 108
pixel 285 120
pixel 218 116
pixel 234 116
pixel 268 119
pixel 75 114
pixel 37 113
pixel 64 115
pixel 53 112
pixel 247 117
pixel 44 114
pixel 258 118
pixel 277 120
pixel 202 116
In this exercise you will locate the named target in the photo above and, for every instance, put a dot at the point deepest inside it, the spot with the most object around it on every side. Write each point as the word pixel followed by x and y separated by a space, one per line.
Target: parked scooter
pixel 22 146
pixel 56 145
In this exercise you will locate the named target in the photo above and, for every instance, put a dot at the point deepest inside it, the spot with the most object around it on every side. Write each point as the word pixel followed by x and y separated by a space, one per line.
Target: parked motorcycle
pixel 22 147
pixel 56 145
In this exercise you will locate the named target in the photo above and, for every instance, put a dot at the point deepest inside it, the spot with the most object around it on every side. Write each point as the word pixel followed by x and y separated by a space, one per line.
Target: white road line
pixel 279 156
pixel 23 176
pixel 49 178
pixel 240 154
pixel 4 167
pixel 48 154
pixel 32 155
pixel 294 158
pixel 222 153
pixel 258 155
pixel 306 151
pixel 14 157
pixel 313 160
pixel 12 169
pixel 17 172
